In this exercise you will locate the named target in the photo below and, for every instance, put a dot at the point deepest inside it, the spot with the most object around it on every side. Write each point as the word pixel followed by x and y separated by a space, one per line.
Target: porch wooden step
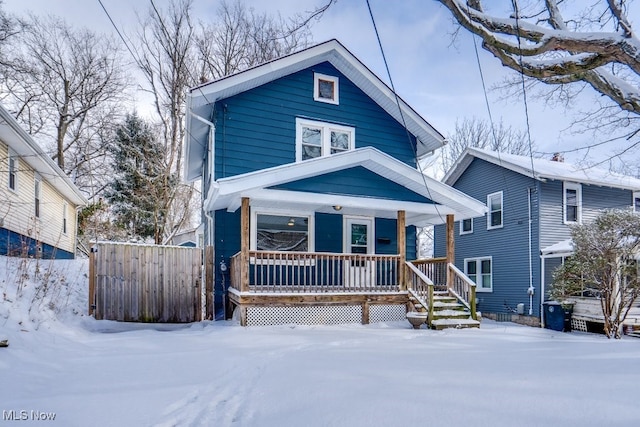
pixel 450 314
pixel 438 305
pixel 454 323
pixel 445 299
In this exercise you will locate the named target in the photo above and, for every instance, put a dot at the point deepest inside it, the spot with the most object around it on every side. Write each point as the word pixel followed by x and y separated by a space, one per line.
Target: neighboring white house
pixel 38 202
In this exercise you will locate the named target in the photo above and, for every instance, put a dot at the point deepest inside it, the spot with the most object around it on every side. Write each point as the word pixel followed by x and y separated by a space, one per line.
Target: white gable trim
pixel 29 152
pixel 227 192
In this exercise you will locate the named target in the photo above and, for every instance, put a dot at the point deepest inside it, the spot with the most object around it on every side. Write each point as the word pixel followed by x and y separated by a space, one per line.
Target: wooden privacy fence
pixel 145 283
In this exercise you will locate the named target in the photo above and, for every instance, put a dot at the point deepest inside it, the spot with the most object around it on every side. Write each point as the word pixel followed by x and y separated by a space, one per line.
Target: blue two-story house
pixel 511 252
pixel 310 189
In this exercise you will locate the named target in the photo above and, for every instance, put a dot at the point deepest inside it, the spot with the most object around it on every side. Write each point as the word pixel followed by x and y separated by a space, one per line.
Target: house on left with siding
pixel 38 202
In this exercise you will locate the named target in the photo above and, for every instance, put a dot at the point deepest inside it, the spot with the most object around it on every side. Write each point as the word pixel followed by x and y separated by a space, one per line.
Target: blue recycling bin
pixel 557 317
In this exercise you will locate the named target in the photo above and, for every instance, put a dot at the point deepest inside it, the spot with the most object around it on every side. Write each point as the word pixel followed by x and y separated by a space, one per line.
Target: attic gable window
pixel 318 139
pixel 572 203
pixel 325 88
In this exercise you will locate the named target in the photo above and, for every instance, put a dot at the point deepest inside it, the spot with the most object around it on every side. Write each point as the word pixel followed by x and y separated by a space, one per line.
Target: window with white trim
pixel 481 272
pixel 636 201
pixel 13 171
pixel 276 231
pixel 325 88
pixel 37 184
pixel 572 203
pixel 318 139
pixel 64 217
pixel 466 226
pixel 494 203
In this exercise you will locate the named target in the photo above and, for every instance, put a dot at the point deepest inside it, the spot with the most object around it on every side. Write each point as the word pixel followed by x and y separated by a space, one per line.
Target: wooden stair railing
pixel 463 289
pixel 420 287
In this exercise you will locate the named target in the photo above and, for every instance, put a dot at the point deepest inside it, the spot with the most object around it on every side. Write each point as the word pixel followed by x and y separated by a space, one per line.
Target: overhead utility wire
pixel 397 99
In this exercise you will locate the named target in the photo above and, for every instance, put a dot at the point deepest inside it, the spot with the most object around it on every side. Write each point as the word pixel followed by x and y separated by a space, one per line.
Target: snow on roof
pixel 563 247
pixel 542 169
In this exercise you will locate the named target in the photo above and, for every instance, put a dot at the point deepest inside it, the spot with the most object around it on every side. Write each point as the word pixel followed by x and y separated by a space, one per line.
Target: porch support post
pixel 244 245
pixel 451 249
pixel 402 248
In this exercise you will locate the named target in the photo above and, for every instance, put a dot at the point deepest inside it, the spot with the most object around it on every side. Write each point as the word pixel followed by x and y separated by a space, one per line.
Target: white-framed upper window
pixel 275 230
pixel 636 201
pixel 480 270
pixel 37 190
pixel 13 171
pixel 318 139
pixel 325 88
pixel 466 226
pixel 494 203
pixel 65 208
pixel 572 203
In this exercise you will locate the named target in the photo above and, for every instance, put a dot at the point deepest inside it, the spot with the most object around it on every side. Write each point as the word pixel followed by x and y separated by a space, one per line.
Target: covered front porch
pixel 332 240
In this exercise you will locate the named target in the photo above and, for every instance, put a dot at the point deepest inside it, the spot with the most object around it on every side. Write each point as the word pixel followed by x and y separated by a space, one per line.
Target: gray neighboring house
pixel 512 251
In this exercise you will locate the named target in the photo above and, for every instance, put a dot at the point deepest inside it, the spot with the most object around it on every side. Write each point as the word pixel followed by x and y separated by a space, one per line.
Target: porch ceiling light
pixel 337 208
pixel 291 222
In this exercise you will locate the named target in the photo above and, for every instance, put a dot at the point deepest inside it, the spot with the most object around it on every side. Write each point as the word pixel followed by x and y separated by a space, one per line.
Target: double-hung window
pixel 318 139
pixel 65 208
pixel 636 201
pixel 480 271
pixel 37 185
pixel 13 171
pixel 572 203
pixel 494 203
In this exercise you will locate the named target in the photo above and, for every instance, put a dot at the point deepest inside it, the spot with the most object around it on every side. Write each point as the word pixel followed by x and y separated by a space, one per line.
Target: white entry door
pixel 358 239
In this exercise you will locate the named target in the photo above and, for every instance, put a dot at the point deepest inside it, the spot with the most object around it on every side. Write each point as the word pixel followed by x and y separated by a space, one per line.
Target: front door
pixel 358 239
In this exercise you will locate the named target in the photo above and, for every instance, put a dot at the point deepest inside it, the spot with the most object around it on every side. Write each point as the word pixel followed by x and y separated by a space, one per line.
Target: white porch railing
pixel 308 272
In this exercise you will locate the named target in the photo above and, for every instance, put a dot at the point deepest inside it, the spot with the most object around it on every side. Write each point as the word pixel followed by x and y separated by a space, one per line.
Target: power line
pixel 414 148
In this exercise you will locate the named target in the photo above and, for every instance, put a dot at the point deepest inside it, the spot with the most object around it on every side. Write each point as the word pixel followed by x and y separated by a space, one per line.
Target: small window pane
pixel 496 218
pixel 572 197
pixel 636 204
pixel 471 267
pixel 466 225
pixel 326 89
pixel 486 281
pixel 339 141
pixel 495 203
pixel 311 136
pixel 572 213
pixel 486 266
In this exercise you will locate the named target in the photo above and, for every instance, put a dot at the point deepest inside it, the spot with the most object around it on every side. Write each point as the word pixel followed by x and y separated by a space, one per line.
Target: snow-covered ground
pixel 102 373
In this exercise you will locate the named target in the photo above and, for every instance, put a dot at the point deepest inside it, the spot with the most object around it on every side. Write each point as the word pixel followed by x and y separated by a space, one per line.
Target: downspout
pixel 210 149
pixel 531 288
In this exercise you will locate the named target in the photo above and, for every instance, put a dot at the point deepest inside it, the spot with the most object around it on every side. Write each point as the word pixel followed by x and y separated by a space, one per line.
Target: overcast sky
pixel 439 79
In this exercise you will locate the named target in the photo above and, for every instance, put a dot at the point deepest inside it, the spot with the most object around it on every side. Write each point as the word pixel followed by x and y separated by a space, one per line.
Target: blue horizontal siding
pixel 594 200
pixel 508 246
pixel 357 181
pixel 256 129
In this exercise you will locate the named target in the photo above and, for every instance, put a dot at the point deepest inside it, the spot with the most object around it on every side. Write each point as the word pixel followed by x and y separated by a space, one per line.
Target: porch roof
pixel 226 193
pixel 564 247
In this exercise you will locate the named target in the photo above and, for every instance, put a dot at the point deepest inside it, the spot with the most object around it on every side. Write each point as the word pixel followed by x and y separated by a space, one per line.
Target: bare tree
pixel 174 54
pixel 65 85
pixel 482 134
pixel 568 47
pixel 242 38
pixel 9 27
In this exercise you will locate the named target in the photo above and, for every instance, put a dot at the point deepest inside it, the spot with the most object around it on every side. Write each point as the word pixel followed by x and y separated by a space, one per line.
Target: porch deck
pixel 310 288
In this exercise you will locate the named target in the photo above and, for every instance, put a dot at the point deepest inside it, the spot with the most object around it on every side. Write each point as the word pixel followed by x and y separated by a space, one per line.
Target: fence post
pixel 208 277
pixel 92 279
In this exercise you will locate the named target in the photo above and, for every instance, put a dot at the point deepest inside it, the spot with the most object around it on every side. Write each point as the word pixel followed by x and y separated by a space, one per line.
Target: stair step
pixel 454 323
pixel 445 299
pixel 447 305
pixel 450 314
